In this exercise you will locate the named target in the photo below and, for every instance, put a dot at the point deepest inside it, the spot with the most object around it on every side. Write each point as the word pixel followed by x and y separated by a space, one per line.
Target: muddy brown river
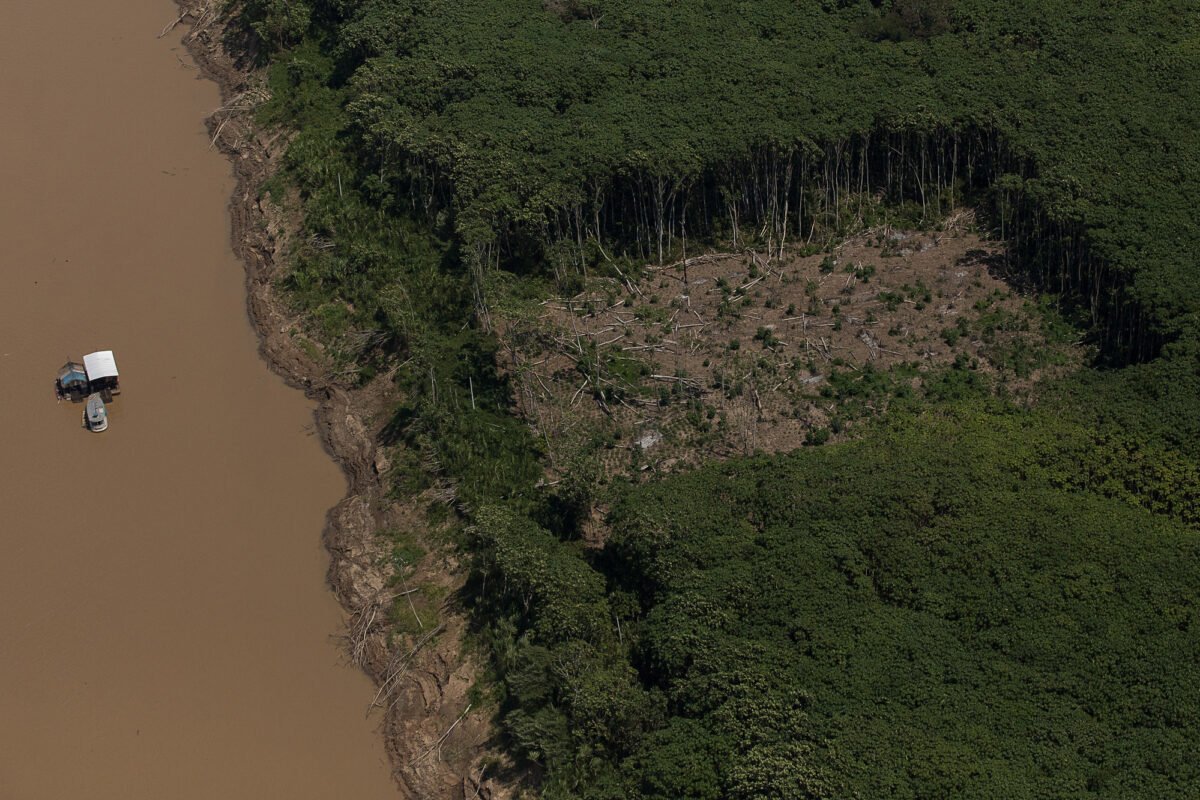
pixel 165 628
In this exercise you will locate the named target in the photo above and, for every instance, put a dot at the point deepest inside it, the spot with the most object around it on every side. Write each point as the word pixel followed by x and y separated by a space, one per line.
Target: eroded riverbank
pixel 439 742
pixel 166 624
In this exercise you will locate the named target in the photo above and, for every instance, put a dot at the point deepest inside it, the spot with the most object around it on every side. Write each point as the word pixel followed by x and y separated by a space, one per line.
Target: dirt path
pixel 165 624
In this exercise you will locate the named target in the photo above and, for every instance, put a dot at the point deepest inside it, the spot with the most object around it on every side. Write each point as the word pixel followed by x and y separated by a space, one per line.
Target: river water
pixel 165 629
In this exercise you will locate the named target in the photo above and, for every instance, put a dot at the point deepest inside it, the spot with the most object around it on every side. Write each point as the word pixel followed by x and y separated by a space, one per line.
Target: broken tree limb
pixel 396 669
pixel 171 25
pixel 442 738
pixel 676 379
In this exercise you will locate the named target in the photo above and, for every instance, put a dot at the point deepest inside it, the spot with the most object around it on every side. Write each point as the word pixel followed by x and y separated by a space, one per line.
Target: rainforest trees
pixel 973 596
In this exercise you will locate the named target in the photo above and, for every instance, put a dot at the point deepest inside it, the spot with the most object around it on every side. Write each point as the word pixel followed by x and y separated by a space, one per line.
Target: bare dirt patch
pixel 733 353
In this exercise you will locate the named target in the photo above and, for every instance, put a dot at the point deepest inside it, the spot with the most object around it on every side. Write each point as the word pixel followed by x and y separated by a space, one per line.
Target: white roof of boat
pixel 100 364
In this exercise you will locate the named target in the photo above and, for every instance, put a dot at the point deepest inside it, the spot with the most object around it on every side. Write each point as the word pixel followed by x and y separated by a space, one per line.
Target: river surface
pixel 165 628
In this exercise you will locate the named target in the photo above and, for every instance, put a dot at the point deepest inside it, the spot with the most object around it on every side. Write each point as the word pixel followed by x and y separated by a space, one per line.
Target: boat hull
pixel 95 415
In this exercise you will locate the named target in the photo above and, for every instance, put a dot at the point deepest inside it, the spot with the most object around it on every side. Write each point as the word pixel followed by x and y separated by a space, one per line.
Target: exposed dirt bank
pixel 439 745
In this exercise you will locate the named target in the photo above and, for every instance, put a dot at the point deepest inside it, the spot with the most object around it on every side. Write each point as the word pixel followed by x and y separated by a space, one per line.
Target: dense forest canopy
pixel 976 598
pixel 950 624
pixel 534 121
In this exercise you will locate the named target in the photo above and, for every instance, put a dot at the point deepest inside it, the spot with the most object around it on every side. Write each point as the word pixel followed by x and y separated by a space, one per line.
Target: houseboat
pixel 72 383
pixel 97 373
pixel 101 369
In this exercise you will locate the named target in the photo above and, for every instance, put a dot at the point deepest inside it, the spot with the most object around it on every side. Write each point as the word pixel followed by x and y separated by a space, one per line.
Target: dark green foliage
pixel 574 703
pixel 816 436
pixel 973 601
pixel 557 127
pixel 458 410
pixel 560 598
pixel 902 20
pixel 923 614
pixel 278 23
pixel 378 284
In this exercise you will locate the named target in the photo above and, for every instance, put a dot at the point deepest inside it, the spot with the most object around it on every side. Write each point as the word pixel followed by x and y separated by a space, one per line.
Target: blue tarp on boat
pixel 70 374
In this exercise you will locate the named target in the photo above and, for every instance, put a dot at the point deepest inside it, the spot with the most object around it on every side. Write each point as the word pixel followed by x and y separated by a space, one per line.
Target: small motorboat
pixel 95 415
